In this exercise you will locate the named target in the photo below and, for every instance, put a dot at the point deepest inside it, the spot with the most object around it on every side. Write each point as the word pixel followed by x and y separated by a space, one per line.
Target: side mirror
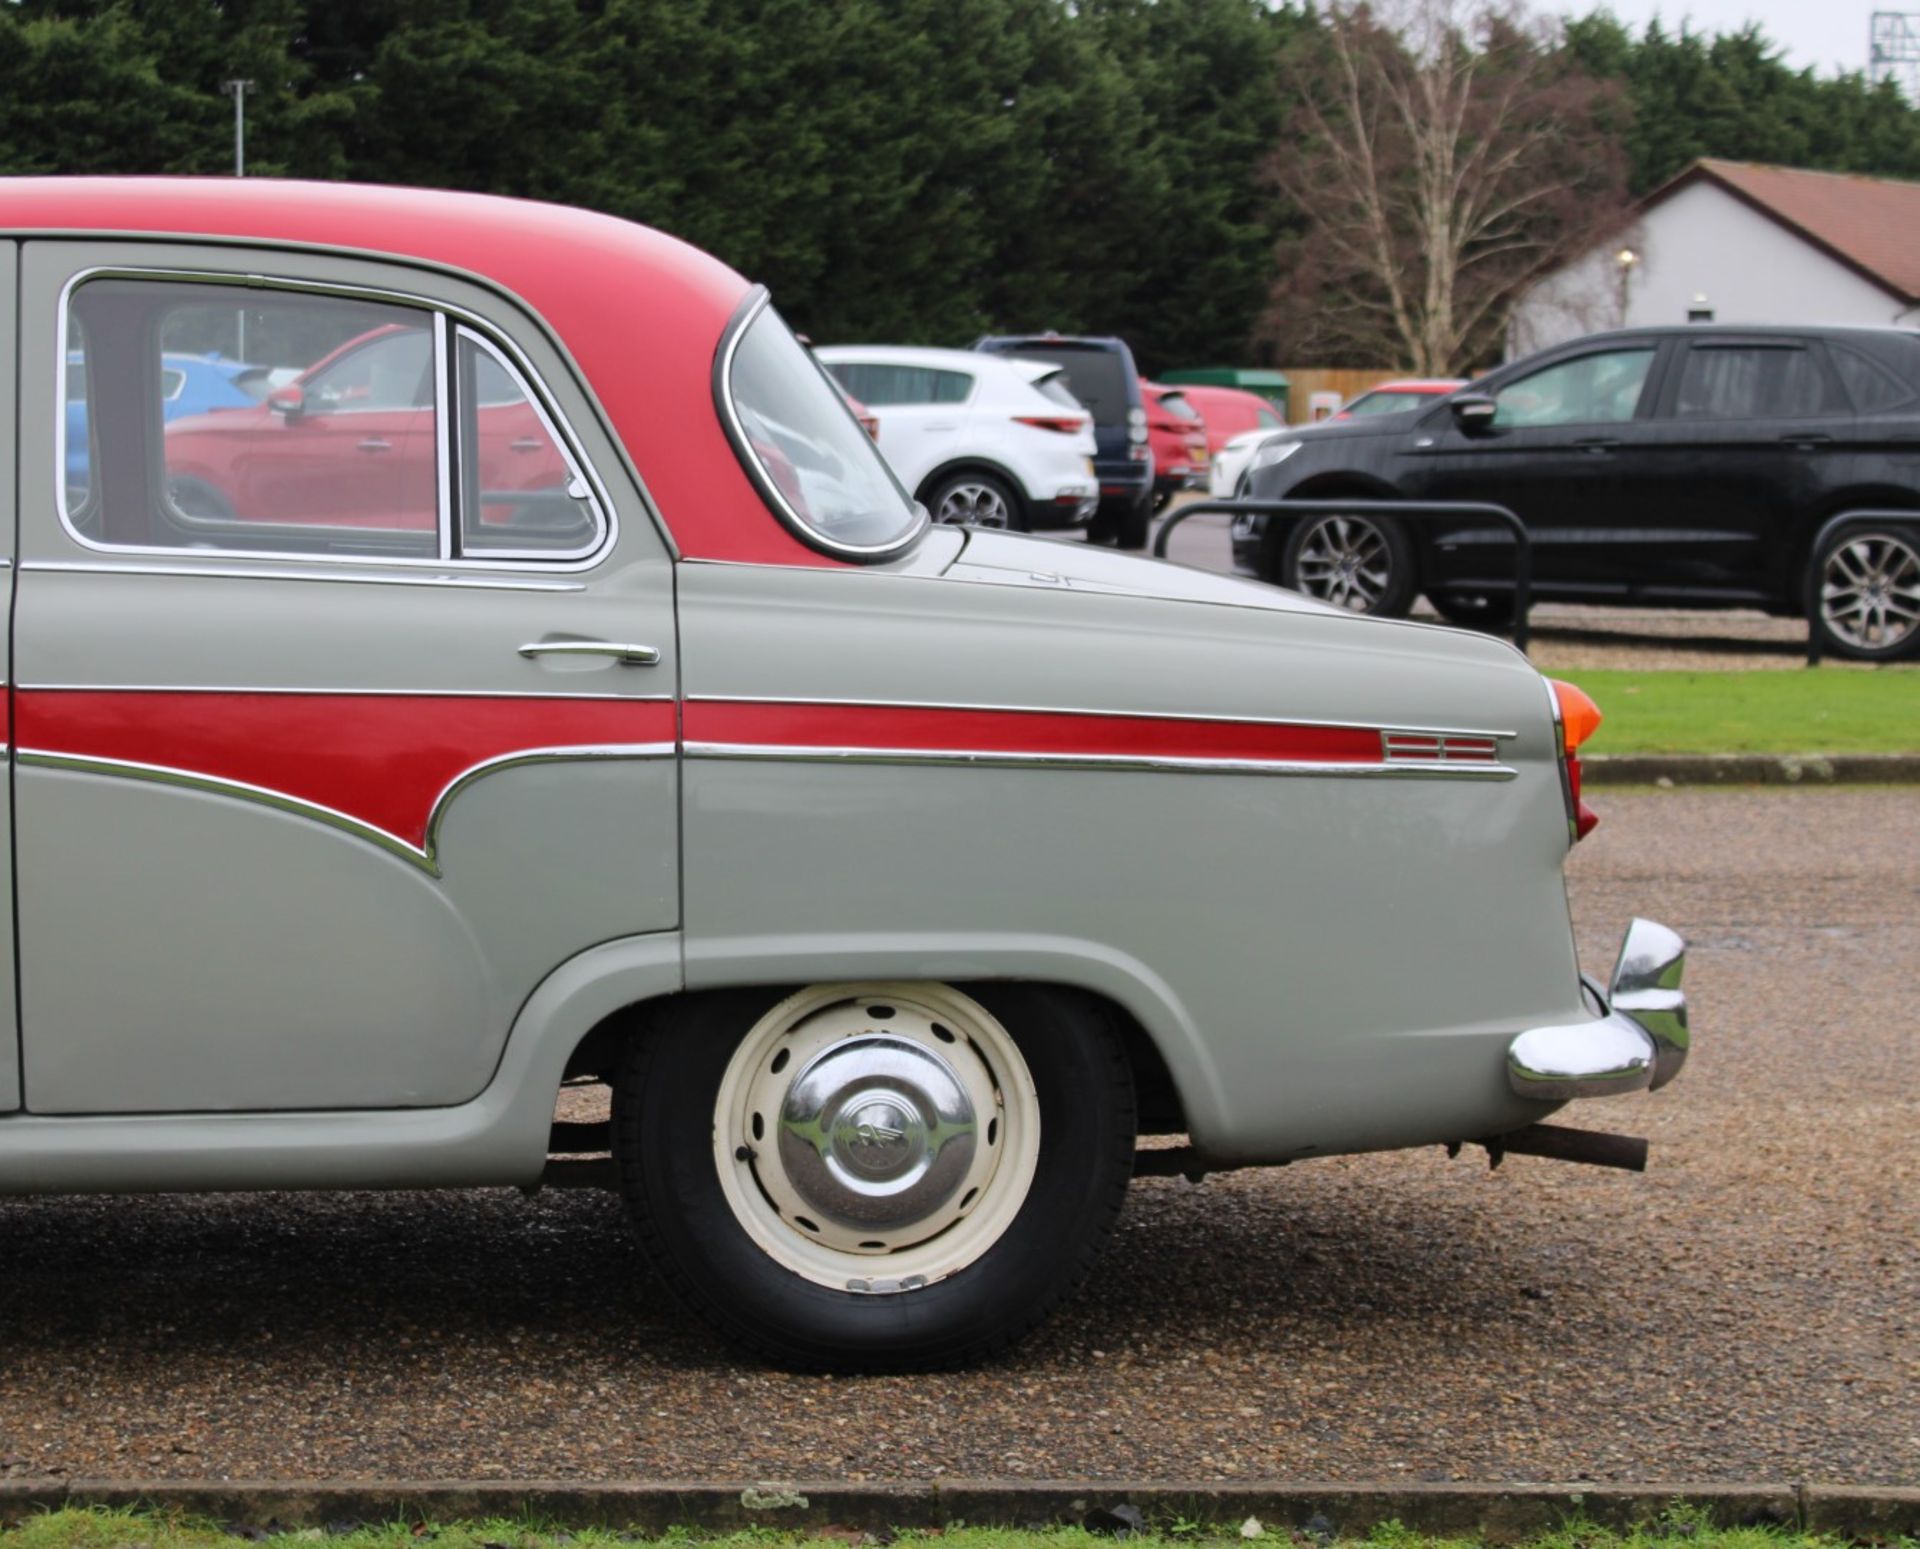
pixel 1473 413
pixel 288 401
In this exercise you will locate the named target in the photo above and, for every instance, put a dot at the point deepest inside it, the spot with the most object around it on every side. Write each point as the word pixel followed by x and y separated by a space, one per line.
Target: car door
pixel 9 375
pixel 307 815
pixel 1740 451
pixel 1551 456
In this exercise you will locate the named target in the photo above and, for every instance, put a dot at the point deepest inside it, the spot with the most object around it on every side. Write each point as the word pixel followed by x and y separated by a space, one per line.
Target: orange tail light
pixel 1579 720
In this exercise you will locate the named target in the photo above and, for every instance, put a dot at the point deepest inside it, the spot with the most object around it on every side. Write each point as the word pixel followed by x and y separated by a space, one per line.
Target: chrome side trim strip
pixel 425 857
pixel 347 693
pixel 610 523
pixel 1121 715
pixel 1115 761
pixel 480 582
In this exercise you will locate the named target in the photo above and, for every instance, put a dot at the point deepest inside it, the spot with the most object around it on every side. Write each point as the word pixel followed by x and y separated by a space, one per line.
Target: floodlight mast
pixel 1893 51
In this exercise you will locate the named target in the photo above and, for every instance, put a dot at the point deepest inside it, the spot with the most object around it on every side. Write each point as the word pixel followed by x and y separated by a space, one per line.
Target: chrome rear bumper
pixel 1639 1042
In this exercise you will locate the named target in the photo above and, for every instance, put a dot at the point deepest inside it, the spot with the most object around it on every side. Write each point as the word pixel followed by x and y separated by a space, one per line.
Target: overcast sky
pixel 1830 35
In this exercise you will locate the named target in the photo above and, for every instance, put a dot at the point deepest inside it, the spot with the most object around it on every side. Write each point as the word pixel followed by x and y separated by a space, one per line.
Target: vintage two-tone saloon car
pixel 550 682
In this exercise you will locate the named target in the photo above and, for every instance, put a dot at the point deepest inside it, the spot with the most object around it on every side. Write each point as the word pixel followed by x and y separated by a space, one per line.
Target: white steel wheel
pixel 876 1138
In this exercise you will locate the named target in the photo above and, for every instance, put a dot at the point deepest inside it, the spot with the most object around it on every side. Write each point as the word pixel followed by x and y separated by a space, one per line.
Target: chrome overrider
pixel 1639 1043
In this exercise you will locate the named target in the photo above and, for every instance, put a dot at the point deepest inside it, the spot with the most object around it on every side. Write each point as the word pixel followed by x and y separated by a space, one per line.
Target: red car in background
pixel 282 461
pixel 1232 411
pixel 1178 436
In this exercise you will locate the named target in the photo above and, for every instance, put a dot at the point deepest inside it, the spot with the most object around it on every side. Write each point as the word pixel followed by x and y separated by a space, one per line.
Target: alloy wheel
pixel 1344 560
pixel 1870 592
pixel 971 504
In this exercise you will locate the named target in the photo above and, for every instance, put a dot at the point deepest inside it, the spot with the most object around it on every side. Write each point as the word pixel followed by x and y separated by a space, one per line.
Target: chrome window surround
pixel 488 583
pixel 443 361
pixel 756 301
pixel 441 312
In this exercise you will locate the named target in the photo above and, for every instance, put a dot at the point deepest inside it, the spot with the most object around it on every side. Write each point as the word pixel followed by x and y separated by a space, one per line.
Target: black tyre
pixel 875 1177
pixel 1867 595
pixel 1492 612
pixel 1134 523
pixel 1361 563
pixel 977 500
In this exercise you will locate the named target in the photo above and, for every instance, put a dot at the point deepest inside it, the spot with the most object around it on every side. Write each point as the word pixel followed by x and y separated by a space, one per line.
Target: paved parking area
pixel 1746 1310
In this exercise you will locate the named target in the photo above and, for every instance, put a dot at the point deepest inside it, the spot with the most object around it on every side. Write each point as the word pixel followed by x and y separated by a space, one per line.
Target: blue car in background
pixel 190 384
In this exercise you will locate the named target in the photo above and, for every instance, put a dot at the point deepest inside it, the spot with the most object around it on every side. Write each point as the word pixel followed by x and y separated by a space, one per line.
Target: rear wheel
pixel 976 500
pixel 1361 563
pixel 875 1177
pixel 1868 607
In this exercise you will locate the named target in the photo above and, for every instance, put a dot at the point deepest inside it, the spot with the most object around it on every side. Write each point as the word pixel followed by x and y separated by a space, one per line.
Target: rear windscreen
pixel 1097 377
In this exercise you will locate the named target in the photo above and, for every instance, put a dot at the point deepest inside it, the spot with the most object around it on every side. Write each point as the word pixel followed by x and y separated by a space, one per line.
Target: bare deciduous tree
pixel 1445 154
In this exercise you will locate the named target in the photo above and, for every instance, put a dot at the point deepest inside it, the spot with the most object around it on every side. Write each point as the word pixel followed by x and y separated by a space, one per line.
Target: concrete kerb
pixel 1497 1513
pixel 1751 769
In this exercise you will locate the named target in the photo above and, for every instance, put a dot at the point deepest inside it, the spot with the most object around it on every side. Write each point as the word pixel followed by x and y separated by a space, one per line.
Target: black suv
pixel 1691 466
pixel 1101 374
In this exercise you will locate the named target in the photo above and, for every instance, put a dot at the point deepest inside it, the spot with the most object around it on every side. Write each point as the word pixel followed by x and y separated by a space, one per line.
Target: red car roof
pixel 641 312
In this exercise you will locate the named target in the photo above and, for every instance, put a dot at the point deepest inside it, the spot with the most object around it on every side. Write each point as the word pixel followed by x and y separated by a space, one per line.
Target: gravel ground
pixel 1568 637
pixel 1744 1311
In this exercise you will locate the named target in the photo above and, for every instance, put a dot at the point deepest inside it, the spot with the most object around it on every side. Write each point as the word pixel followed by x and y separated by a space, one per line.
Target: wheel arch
pixel 973 462
pixel 588 1019
pixel 1342 484
pixel 1799 552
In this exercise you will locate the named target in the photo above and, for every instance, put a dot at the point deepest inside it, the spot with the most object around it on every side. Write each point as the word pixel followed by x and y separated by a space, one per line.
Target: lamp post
pixel 1624 260
pixel 238 91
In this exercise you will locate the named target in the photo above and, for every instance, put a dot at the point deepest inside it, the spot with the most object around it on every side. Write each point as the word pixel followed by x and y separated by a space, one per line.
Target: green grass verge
pixel 82 1529
pixel 1806 711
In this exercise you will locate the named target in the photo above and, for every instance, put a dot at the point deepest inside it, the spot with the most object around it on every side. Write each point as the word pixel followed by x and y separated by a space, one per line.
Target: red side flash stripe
pixel 913 729
pixel 381 759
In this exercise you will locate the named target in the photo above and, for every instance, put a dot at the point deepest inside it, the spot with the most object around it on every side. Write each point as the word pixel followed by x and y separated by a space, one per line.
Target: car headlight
pixel 1272 453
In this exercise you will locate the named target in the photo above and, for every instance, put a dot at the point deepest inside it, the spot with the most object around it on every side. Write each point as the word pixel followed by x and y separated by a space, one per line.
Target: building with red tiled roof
pixel 1735 242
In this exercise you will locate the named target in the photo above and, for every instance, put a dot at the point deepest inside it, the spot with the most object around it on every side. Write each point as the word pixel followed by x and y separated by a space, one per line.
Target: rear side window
pixel 316 428
pixel 881 384
pixel 816 468
pixel 1178 406
pixel 1739 382
pixel 1054 386
pixel 1872 387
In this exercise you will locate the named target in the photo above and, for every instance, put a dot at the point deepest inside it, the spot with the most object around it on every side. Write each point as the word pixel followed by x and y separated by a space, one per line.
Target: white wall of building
pixel 1700 243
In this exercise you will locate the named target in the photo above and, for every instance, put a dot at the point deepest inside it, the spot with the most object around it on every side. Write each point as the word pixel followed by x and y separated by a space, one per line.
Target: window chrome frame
pixel 752 306
pixel 443 314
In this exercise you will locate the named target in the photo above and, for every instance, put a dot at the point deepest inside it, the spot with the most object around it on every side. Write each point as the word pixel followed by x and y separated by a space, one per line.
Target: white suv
pixel 981 440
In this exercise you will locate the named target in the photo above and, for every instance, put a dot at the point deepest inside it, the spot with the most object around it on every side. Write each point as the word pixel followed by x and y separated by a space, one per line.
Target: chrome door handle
pixel 527 444
pixel 625 655
pixel 375 444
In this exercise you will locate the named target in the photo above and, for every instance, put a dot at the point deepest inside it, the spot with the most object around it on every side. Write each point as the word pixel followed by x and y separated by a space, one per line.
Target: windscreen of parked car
pixel 818 469
pixel 1370 404
pixel 1098 377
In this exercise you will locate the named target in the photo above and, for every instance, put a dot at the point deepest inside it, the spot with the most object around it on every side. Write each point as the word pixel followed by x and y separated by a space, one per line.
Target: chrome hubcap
pixel 1344 560
pixel 1870 592
pixel 876 1137
pixel 877 1132
pixel 973 505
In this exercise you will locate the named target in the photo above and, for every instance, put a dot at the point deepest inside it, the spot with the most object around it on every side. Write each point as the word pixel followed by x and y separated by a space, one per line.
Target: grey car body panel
pixel 500 1138
pixel 323 971
pixel 1351 983
pixel 9 1026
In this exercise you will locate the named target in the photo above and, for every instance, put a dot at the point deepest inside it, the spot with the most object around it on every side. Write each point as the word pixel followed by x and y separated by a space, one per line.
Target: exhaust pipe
pixel 1593 1147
